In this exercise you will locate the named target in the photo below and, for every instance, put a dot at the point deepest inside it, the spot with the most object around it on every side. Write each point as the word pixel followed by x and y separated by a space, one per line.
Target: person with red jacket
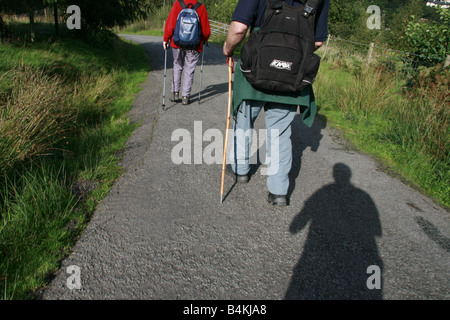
pixel 184 59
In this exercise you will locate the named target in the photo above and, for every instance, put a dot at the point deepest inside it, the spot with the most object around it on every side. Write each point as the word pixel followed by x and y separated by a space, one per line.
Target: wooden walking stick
pixel 230 64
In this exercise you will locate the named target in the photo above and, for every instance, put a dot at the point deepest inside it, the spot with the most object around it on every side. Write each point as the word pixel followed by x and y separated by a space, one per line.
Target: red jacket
pixel 172 20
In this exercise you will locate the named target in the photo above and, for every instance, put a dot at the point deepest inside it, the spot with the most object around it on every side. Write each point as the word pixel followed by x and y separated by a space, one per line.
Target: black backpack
pixel 279 57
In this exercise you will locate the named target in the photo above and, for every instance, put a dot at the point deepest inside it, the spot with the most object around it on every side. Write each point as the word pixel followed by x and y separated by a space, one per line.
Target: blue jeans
pixel 278 141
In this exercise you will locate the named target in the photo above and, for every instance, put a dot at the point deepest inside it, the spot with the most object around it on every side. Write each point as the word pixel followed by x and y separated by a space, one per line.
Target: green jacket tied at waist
pixel 242 90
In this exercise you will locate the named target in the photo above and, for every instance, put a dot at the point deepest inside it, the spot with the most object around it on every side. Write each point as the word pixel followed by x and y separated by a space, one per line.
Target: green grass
pixel 35 231
pixel 407 132
pixel 57 168
pixel 153 26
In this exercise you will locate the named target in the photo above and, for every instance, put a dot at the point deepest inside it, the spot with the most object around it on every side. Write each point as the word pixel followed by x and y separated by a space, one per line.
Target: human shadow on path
pixel 301 138
pixel 209 92
pixel 341 245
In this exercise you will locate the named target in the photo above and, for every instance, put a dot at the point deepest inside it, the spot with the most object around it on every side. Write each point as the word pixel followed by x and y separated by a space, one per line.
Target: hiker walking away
pixel 185 57
pixel 280 108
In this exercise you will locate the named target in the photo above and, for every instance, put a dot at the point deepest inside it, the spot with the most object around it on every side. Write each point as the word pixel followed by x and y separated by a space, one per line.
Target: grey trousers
pixel 184 60
pixel 278 142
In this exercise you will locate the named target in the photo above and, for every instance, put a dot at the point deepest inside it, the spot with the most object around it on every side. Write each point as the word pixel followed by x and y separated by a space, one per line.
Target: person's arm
pixel 322 24
pixel 170 24
pixel 204 20
pixel 236 33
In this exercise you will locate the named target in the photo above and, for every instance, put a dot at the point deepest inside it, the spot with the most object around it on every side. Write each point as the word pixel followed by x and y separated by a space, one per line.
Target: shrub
pixel 429 40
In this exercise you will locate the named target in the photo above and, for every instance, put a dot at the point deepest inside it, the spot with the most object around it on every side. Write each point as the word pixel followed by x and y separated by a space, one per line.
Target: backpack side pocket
pixel 309 71
pixel 249 57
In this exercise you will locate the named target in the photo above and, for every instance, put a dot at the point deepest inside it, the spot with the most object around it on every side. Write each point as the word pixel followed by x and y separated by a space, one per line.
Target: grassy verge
pixel 62 124
pixel 407 131
pixel 153 26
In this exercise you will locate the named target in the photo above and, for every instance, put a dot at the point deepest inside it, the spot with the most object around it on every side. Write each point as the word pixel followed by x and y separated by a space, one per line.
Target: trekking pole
pixel 201 76
pixel 165 72
pixel 230 64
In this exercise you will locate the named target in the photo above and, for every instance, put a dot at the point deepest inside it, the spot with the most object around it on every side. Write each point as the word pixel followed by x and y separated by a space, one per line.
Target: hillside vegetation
pixel 62 124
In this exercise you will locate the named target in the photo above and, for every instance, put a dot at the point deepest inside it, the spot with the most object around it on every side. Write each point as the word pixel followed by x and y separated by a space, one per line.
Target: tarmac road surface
pixel 351 230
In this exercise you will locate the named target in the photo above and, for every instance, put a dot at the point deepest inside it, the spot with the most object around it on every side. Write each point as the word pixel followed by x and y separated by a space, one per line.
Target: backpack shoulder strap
pixel 182 4
pixel 197 5
pixel 275 4
pixel 310 6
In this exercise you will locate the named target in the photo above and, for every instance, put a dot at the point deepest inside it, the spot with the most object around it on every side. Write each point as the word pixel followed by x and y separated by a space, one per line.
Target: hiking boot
pixel 185 100
pixel 176 97
pixel 240 178
pixel 277 200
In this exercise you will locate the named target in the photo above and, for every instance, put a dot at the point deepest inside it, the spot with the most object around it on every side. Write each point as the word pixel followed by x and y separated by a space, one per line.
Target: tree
pixel 3 30
pixel 345 17
pixel 54 5
pixel 111 13
pixel 429 41
pixel 22 7
pixel 220 10
pixel 95 14
pixel 399 17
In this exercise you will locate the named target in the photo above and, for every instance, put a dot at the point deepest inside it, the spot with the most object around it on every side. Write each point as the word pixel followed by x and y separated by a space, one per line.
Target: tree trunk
pixel 2 29
pixel 31 25
pixel 4 32
pixel 55 12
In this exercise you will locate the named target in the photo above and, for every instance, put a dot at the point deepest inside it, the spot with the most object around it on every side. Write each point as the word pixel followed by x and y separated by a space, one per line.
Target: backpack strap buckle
pixel 307 11
pixel 276 5
pixel 310 7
